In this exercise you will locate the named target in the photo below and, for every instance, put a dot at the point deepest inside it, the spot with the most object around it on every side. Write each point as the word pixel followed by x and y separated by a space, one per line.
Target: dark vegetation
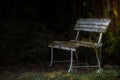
pixel 28 26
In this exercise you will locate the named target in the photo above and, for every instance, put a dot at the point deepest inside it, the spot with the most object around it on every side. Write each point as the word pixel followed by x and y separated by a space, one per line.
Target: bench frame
pixel 90 25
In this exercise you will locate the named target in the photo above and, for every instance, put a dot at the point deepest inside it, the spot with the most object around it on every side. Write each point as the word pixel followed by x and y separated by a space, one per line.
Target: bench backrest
pixel 92 25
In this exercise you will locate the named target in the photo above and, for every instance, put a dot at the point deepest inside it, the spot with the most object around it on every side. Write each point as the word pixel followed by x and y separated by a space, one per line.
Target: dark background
pixel 28 26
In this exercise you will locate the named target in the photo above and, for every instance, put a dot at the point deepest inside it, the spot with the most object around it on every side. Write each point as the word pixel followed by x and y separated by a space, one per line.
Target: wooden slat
pixel 92 25
pixel 94 21
pixel 90 29
pixel 71 45
pixel 89 44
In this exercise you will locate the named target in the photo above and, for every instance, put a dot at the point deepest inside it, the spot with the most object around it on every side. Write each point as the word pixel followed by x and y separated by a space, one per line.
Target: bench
pixel 91 25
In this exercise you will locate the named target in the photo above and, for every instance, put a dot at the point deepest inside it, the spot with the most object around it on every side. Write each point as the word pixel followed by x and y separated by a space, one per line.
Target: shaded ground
pixel 27 67
pixel 12 71
pixel 17 69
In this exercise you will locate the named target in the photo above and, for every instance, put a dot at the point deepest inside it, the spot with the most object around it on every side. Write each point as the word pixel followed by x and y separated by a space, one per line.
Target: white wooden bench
pixel 93 25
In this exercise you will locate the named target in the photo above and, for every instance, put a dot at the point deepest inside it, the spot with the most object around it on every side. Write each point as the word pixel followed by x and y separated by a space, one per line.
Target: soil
pixel 30 67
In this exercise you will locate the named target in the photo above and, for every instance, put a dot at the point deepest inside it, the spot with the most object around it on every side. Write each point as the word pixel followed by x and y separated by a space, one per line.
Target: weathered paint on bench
pixel 90 25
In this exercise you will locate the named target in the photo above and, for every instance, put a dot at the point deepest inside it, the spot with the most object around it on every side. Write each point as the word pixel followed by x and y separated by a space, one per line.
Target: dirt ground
pixel 30 67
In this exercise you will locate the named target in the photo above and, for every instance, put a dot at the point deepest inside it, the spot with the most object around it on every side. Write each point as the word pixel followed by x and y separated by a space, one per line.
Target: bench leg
pixel 76 55
pixel 100 53
pixel 98 56
pixel 51 57
pixel 71 62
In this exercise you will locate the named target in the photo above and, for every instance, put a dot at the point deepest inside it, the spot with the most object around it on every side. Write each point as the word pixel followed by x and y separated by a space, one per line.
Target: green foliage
pixel 61 75
pixel 112 41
